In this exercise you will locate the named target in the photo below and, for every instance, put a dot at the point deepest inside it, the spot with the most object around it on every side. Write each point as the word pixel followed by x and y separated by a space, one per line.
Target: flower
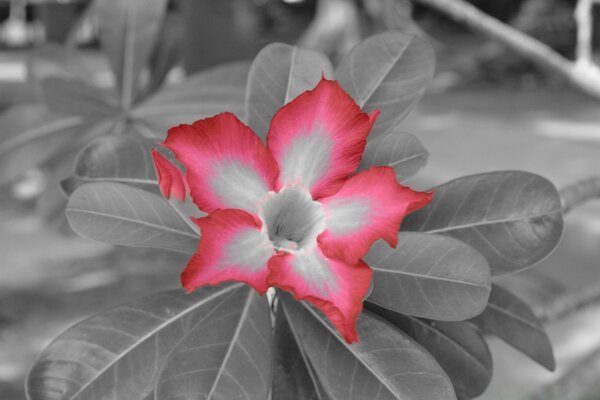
pixel 290 214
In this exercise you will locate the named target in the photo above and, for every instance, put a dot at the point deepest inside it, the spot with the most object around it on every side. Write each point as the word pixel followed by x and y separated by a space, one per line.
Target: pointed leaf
pixel 118 354
pixel 72 97
pixel 55 60
pixel 203 94
pixel 513 218
pixel 226 356
pixel 388 72
pixel 30 135
pixel 511 319
pixel 279 73
pixel 128 32
pixel 386 365
pixel 458 347
pixel 125 215
pixel 399 150
pixel 167 52
pixel 429 276
pixel 292 370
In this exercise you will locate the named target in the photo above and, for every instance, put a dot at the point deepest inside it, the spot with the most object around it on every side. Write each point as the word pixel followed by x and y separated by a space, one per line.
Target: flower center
pixel 292 219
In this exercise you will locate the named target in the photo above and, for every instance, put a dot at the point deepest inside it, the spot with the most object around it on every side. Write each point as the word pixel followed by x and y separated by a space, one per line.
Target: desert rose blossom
pixel 292 214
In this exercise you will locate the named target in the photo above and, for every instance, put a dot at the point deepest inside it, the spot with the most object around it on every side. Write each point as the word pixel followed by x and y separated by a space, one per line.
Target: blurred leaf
pixel 53 60
pixel 74 97
pixel 458 347
pixel 125 215
pixel 513 218
pixel 203 94
pixel 227 355
pixel 279 73
pixel 429 276
pixel 292 371
pixel 30 135
pixel 399 150
pixel 167 53
pixel 511 319
pixel 124 158
pixel 118 354
pixel 388 72
pixel 385 365
pixel 128 32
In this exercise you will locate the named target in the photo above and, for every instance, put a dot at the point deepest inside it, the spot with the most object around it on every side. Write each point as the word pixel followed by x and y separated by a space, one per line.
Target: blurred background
pixel 488 108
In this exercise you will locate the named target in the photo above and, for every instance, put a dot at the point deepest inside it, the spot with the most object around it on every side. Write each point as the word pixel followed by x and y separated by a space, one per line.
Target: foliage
pixel 79 119
pixel 422 331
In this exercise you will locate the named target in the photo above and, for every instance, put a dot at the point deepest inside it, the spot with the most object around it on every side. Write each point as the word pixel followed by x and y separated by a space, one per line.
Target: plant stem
pixel 583 75
pixel 579 192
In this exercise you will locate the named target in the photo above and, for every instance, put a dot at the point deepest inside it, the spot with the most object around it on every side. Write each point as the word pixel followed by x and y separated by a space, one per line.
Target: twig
pixel 569 303
pixel 583 75
pixel 583 17
pixel 580 192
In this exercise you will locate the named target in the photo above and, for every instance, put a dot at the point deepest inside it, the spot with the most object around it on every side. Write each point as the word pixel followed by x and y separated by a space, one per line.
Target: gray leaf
pixel 125 215
pixel 429 276
pixel 279 73
pixel 386 365
pixel 388 72
pixel 117 355
pixel 399 150
pixel 226 356
pixel 513 218
pixel 511 319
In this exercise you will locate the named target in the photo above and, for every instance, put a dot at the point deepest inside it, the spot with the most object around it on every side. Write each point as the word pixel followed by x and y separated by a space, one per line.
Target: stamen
pixel 292 218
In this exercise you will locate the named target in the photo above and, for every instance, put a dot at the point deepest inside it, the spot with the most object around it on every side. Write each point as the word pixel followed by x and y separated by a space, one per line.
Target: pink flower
pixel 290 214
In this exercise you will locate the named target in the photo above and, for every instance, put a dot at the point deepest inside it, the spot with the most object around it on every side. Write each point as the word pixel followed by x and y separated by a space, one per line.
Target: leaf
pixel 388 72
pixel 226 356
pixel 399 150
pixel 167 52
pixel 513 218
pixel 128 32
pixel 279 73
pixel 72 97
pixel 123 159
pixel 30 135
pixel 292 370
pixel 458 347
pixel 125 215
pixel 52 60
pixel 385 365
pixel 204 94
pixel 118 354
pixel 429 276
pixel 510 318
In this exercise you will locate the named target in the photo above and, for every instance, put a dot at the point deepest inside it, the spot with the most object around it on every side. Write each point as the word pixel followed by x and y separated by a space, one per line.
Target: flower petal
pixel 170 178
pixel 368 207
pixel 334 287
pixel 232 248
pixel 318 138
pixel 227 166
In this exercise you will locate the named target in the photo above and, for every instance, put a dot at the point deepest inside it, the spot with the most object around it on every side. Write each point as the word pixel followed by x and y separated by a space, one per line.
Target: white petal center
pixel 292 219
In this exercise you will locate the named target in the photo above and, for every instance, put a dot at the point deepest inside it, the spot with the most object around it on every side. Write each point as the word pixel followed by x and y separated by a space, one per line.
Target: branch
pixel 569 303
pixel 583 75
pixel 579 192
